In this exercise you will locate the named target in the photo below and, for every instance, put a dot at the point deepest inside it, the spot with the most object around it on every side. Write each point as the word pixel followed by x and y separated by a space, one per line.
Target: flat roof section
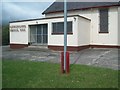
pixel 48 18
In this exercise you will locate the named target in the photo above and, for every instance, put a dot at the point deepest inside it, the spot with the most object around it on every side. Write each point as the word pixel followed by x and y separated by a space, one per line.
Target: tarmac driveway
pixel 97 57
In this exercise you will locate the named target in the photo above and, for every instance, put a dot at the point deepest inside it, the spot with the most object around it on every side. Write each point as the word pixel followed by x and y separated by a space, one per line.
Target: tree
pixel 5 35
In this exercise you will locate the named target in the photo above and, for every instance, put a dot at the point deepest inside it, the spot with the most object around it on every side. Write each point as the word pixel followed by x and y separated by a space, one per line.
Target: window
pixel 58 27
pixel 103 20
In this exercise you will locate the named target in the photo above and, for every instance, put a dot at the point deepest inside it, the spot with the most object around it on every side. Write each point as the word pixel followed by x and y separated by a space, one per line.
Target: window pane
pixel 33 38
pixel 33 29
pixel 44 38
pixel 33 34
pixel 59 27
pixel 45 29
pixel 54 27
pixel 103 19
pixel 39 29
pixel 69 27
pixel 39 39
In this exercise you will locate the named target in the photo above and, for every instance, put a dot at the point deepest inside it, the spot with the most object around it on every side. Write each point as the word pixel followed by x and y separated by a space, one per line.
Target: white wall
pixel 19 37
pixel 83 31
pixel 24 38
pixel 104 38
pixel 119 26
pixel 97 38
pixel 58 40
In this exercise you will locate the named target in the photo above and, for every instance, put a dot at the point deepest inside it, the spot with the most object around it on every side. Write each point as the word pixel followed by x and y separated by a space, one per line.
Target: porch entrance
pixel 39 34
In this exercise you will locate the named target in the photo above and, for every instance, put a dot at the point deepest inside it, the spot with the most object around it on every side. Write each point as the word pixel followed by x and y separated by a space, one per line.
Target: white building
pixel 95 24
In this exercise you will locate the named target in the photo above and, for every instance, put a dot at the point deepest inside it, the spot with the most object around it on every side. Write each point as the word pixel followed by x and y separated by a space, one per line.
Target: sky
pixel 23 10
pixel 26 9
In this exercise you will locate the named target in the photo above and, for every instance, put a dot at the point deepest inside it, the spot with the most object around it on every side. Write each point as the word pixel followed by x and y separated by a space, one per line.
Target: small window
pixel 103 20
pixel 58 28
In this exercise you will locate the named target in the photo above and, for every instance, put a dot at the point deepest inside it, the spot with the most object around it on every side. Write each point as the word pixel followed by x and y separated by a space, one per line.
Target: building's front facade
pixel 90 27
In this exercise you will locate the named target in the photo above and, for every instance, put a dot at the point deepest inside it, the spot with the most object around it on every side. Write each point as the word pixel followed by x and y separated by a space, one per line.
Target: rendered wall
pixel 97 38
pixel 119 26
pixel 79 37
pixel 23 37
pixel 83 31
pixel 104 38
pixel 58 40
pixel 18 37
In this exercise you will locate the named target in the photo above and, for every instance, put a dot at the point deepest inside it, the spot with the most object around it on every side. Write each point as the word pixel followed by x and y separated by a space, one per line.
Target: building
pixel 90 24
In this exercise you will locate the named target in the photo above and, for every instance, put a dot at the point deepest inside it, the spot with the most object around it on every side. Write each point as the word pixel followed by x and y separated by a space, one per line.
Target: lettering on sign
pixel 18 28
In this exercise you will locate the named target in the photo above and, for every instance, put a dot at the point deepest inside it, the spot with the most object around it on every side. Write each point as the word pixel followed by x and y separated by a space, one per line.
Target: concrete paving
pixel 107 58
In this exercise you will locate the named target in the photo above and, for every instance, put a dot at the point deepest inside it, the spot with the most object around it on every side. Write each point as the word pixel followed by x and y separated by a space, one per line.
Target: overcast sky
pixel 23 10
pixel 27 9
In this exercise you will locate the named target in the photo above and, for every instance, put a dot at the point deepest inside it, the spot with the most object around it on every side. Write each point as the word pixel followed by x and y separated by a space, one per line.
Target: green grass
pixel 29 74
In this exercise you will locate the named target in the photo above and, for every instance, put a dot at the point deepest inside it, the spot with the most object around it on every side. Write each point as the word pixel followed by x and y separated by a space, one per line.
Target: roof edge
pixel 84 8
pixel 46 18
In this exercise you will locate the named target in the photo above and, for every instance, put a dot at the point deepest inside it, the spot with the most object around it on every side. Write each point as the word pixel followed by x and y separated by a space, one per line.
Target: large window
pixel 58 27
pixel 103 20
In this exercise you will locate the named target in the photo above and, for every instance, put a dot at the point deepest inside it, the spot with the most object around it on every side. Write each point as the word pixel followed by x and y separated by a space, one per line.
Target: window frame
pixel 107 31
pixel 61 33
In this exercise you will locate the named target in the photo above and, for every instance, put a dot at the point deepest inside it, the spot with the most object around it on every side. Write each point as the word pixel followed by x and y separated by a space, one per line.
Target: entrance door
pixel 39 34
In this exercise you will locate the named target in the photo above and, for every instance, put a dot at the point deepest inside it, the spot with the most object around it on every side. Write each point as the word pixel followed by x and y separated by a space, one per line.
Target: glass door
pixel 33 30
pixel 39 34
pixel 45 34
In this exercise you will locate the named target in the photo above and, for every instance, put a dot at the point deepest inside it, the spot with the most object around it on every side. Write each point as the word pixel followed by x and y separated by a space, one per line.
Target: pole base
pixel 67 69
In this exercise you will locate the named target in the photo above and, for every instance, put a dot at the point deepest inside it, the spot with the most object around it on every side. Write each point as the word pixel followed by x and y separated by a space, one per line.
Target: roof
pixel 59 6
pixel 47 18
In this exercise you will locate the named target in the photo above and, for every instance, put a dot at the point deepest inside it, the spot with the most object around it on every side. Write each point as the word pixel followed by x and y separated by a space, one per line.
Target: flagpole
pixel 65 33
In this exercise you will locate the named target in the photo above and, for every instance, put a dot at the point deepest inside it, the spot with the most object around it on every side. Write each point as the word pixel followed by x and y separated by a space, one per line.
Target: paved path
pixel 97 57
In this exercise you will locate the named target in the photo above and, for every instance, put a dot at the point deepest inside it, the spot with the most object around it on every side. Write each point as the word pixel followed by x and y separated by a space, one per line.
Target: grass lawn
pixel 29 74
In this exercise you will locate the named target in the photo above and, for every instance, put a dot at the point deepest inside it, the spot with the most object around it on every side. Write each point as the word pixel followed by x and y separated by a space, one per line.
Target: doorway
pixel 39 34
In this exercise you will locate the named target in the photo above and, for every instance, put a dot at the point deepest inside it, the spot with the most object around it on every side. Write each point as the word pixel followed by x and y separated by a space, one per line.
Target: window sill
pixel 104 32
pixel 70 33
